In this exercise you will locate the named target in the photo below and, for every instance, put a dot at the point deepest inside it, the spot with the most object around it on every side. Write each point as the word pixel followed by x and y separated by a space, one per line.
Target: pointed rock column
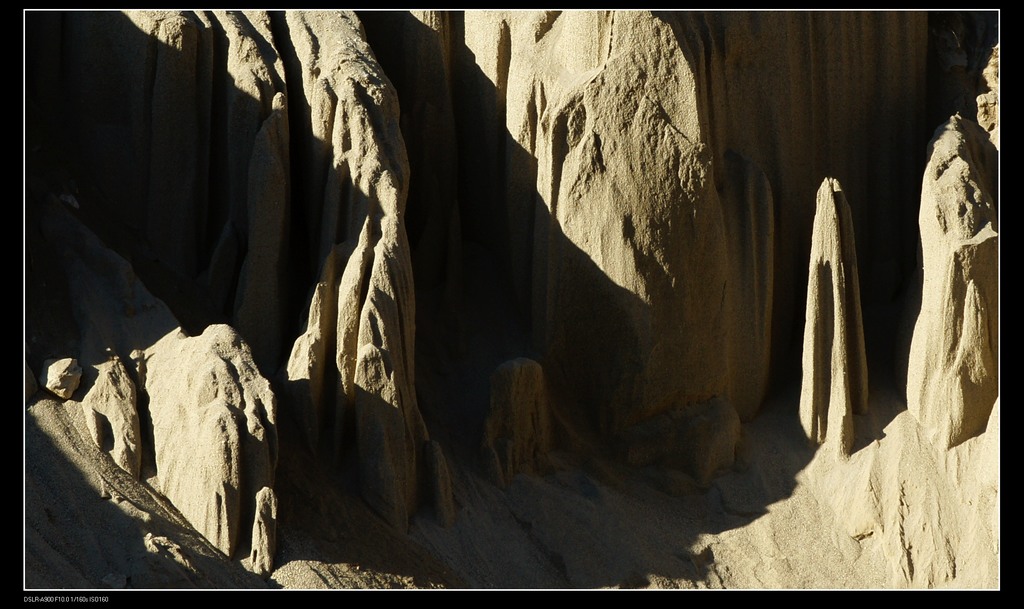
pixel 835 374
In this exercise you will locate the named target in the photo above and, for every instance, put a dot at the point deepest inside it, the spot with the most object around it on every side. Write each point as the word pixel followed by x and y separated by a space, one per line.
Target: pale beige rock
pixel 360 201
pixel 518 429
pixel 350 297
pixel 95 423
pixel 953 374
pixel 835 374
pixel 932 516
pixel 112 402
pixel 181 44
pixel 988 101
pixel 415 49
pixel 523 56
pixel 214 430
pixel 61 376
pixel 629 213
pixel 387 319
pixel 644 191
pixel 264 533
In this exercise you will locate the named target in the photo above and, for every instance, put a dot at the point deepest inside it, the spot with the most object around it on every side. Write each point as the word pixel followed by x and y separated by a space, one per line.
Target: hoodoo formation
pixel 511 299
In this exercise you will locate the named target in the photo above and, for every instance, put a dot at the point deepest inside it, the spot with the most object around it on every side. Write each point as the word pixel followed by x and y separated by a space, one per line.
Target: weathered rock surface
pixel 953 373
pixel 387 475
pixel 213 416
pixel 312 393
pixel 835 373
pixel 61 376
pixel 87 520
pixel 202 93
pixel 111 405
pixel 624 196
pixel 214 433
pixel 749 214
pixel 365 295
pixel 518 429
pixel 631 214
pixel 415 50
pixel 988 101
pixel 931 515
pixel 264 533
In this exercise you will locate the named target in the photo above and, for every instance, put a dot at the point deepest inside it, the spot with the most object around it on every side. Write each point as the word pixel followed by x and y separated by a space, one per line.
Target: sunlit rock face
pixel 511 299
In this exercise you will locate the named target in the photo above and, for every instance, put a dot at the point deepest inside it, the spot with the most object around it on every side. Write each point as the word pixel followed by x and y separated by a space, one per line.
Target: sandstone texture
pixel 264 533
pixel 518 429
pixel 953 376
pixel 61 376
pixel 111 405
pixel 835 375
pixel 221 403
pixel 511 299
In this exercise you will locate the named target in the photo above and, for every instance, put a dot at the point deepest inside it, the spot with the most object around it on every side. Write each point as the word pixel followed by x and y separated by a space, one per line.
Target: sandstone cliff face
pixel 525 267
pixel 663 217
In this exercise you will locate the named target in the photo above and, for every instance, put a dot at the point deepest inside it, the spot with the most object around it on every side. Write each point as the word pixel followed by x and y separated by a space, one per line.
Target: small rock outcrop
pixel 953 373
pixel 988 101
pixel 214 430
pixel 835 374
pixel 61 376
pixel 111 404
pixel 264 533
pixel 699 439
pixel 518 429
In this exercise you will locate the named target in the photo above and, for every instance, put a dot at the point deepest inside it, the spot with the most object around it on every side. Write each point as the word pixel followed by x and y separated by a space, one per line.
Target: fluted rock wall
pixel 634 171
pixel 193 152
pixel 364 303
pixel 280 190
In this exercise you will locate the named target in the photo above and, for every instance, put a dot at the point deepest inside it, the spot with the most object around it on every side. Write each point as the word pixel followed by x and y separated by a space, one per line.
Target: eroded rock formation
pixel 541 270
pixel 110 408
pixel 953 376
pixel 835 375
pixel 214 436
pixel 518 429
